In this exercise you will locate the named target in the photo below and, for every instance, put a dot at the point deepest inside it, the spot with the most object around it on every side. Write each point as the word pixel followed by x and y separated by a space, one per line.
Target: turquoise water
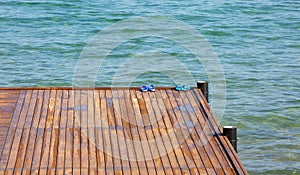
pixel 257 43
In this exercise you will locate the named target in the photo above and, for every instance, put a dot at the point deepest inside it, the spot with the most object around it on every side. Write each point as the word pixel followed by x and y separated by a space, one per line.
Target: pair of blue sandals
pixel 145 88
pixel 180 87
pixel 151 87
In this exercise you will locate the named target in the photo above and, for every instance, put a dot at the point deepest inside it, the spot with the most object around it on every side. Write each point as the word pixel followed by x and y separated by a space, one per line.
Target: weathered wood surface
pixel 8 104
pixel 111 131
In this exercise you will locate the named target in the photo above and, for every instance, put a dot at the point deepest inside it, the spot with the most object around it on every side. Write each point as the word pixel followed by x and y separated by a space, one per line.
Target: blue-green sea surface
pixel 257 43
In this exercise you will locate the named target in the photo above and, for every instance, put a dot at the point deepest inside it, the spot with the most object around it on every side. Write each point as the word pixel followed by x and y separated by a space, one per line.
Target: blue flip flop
pixel 179 87
pixel 144 88
pixel 151 88
pixel 185 88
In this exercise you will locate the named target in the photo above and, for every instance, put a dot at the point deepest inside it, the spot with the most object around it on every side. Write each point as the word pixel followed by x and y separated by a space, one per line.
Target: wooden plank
pixel 11 132
pixel 205 109
pixel 6 108
pixel 76 152
pixel 239 166
pixel 5 157
pixel 19 130
pixel 203 134
pixel 9 91
pixel 203 131
pixel 84 152
pixel 121 131
pixel 98 133
pixel 61 151
pixel 113 133
pixel 185 132
pixel 8 95
pixel 53 152
pixel 181 133
pixel 171 141
pixel 226 166
pixel 130 153
pixel 33 134
pixel 167 122
pixel 12 99
pixel 77 134
pixel 18 123
pixel 25 133
pixel 107 147
pixel 91 133
pixel 232 155
pixel 166 149
pixel 151 134
pixel 224 158
pixel 69 134
pixel 200 136
pixel 46 135
pixel 139 109
pixel 35 165
pixel 5 120
pixel 134 137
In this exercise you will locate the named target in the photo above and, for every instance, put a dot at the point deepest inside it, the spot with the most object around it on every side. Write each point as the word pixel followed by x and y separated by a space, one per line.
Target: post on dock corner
pixel 231 133
pixel 203 86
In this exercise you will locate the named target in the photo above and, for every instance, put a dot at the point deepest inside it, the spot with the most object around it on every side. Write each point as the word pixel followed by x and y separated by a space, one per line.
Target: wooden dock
pixel 91 131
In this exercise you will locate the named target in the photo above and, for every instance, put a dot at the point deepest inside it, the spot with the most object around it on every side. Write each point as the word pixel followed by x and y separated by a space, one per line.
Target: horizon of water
pixel 257 44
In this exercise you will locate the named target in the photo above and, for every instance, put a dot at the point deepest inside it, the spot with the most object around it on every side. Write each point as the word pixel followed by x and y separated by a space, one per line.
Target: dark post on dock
pixel 203 85
pixel 231 133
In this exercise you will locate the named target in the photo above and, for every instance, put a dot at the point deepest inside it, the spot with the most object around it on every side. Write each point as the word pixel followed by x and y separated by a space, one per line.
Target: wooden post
pixel 203 85
pixel 231 133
